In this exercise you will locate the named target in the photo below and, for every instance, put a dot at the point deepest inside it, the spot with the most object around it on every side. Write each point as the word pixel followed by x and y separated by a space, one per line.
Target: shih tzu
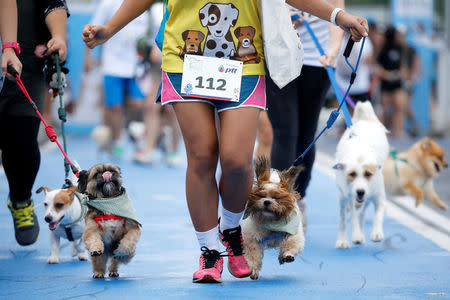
pixel 272 218
pixel 112 230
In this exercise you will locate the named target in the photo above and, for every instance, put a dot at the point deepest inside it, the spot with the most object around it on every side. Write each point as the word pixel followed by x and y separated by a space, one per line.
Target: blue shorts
pixel 116 88
pixel 253 93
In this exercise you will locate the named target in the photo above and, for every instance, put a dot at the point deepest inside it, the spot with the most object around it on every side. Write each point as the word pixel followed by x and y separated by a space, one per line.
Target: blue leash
pixel 335 113
pixel 331 75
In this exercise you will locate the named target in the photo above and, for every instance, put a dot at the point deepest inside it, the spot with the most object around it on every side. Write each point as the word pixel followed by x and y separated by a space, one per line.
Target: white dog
pixel 360 156
pixel 64 215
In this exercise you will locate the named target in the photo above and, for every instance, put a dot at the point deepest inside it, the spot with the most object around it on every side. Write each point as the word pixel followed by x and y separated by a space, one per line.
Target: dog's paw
pixel 124 252
pixel 286 258
pixel 96 252
pixel 98 275
pixel 254 275
pixel 73 252
pixel 53 260
pixel 443 206
pixel 83 256
pixel 439 203
pixel 113 274
pixel 342 244
pixel 377 236
pixel 358 239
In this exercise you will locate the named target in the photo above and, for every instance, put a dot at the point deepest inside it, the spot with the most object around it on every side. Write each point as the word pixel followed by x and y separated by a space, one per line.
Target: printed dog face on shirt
pixel 219 19
pixel 192 43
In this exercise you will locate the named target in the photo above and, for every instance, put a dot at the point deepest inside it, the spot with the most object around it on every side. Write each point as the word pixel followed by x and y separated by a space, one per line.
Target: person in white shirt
pixel 119 60
pixel 294 110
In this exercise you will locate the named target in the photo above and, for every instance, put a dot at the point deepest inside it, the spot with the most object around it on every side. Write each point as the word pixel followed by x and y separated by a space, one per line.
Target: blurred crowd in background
pixel 389 76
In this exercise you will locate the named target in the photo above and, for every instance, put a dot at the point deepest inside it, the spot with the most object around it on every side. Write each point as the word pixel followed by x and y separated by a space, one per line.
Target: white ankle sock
pixel 209 238
pixel 229 219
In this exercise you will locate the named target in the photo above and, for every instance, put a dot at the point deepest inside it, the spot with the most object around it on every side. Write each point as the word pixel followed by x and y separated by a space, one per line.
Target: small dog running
pixel 412 172
pixel 64 215
pixel 361 154
pixel 112 230
pixel 272 218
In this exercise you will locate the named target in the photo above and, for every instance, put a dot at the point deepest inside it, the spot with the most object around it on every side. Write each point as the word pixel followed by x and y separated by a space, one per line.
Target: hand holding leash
pixel 10 59
pixel 354 25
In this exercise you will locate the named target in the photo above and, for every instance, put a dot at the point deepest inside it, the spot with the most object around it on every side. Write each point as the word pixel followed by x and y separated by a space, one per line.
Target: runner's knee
pixel 203 159
pixel 235 165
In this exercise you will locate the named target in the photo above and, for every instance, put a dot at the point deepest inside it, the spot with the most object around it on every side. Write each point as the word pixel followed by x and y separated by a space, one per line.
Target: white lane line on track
pixel 422 220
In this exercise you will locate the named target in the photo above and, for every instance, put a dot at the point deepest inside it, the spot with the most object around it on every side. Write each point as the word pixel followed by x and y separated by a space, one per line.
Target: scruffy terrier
pixel 112 230
pixel 272 218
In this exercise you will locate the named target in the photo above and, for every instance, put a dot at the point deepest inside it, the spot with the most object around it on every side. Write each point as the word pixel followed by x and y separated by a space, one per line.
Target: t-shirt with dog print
pixel 224 29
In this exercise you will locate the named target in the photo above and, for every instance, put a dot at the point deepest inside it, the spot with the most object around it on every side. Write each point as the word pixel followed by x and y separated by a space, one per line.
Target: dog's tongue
pixel 107 176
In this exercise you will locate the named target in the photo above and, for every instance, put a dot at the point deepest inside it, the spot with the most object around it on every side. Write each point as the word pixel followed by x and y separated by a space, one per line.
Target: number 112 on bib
pixel 211 78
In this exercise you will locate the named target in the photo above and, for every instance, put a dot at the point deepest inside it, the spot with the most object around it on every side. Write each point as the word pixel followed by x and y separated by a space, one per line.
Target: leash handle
pixel 12 71
pixel 349 47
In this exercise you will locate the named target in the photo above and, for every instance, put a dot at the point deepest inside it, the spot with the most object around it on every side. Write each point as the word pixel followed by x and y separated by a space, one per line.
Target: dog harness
pixel 396 159
pixel 98 219
pixel 287 225
pixel 119 207
pixel 68 227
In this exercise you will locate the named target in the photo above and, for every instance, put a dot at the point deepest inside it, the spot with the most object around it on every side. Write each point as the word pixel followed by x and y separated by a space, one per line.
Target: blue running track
pixel 404 266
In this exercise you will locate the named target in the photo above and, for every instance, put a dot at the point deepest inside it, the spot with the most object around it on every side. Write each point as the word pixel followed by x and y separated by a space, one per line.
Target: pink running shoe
pixel 232 239
pixel 211 266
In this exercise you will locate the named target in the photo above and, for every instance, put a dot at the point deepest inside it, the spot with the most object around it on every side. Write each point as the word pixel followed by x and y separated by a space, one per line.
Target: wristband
pixel 334 14
pixel 13 45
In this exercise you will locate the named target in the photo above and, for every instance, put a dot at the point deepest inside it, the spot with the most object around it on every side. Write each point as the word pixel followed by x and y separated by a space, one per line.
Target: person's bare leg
pixel 135 108
pixel 47 113
pixel 173 123
pixel 113 119
pixel 265 135
pixel 152 124
pixel 238 129
pixel 385 101
pixel 200 138
pixel 400 103
pixel 152 117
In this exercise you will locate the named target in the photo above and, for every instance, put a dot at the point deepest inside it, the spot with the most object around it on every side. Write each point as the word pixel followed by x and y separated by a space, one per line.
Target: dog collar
pixel 82 214
pixel 394 156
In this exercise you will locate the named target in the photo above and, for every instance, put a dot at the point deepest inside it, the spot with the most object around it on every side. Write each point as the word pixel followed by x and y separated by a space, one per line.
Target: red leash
pixel 48 129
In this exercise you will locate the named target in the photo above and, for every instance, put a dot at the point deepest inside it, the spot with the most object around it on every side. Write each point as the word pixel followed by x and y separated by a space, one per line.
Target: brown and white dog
pixel 412 172
pixel 63 213
pixel 360 156
pixel 273 219
pixel 107 238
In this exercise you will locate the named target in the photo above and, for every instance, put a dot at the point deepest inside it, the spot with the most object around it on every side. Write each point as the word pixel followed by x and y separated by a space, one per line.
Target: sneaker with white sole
pixel 233 241
pixel 145 158
pixel 211 267
pixel 173 159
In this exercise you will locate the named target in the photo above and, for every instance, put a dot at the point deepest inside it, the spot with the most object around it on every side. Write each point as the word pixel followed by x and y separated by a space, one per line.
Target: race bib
pixel 211 78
